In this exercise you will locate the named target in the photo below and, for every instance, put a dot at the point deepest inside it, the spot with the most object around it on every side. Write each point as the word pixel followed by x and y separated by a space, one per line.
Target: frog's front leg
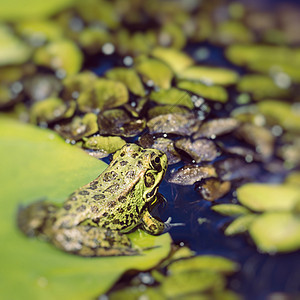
pixel 93 241
pixel 152 225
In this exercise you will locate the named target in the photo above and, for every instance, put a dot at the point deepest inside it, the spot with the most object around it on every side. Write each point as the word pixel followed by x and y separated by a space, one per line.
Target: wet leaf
pixel 12 50
pixel 204 262
pixel 212 189
pixel 78 127
pixel 166 109
pixel 50 110
pixel 118 122
pixel 196 281
pixel 37 163
pixel 172 96
pixel 62 55
pixel 235 168
pixel 103 94
pixel 259 137
pixel 230 209
pixel 276 232
pixel 177 60
pixel 240 224
pixel 261 87
pixel 210 75
pixel 281 113
pixel 211 92
pixel 216 127
pixel 199 150
pixel 107 144
pixel 156 71
pixel 268 197
pixel 167 146
pixel 189 174
pixel 174 123
pixel 129 77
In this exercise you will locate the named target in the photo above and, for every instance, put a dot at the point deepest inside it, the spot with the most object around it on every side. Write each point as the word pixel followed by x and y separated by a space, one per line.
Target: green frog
pixel 94 219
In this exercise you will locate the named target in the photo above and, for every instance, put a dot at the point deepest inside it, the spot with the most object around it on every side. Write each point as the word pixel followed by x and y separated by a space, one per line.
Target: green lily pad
pixel 172 96
pixel 260 86
pixel 210 75
pixel 268 197
pixel 211 92
pixel 62 55
pixel 36 163
pixel 281 113
pixel 240 224
pixel 12 49
pixel 20 9
pixel 276 232
pixel 129 77
pixel 230 209
pixel 177 60
pixel 154 70
pixel 204 262
pixel 103 94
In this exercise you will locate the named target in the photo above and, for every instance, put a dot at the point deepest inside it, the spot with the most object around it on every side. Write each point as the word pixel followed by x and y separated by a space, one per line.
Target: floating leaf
pixel 212 189
pixel 107 144
pixel 281 113
pixel 78 127
pixel 204 262
pixel 51 109
pixel 293 178
pixel 37 163
pixel 166 109
pixel 216 127
pixel 276 232
pixel 261 86
pixel 211 92
pixel 189 174
pixel 266 197
pixel 103 94
pixel 200 150
pixel 210 75
pixel 181 124
pixel 172 96
pixel 62 55
pixel 230 209
pixel 240 224
pixel 177 60
pixel 129 77
pixel 12 50
pixel 156 71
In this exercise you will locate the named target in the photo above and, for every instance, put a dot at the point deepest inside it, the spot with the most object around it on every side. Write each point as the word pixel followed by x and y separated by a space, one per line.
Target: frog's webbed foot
pixel 169 225
pixel 93 241
pixel 32 219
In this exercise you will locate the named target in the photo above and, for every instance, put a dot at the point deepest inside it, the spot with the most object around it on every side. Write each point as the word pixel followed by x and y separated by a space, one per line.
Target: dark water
pixel 260 274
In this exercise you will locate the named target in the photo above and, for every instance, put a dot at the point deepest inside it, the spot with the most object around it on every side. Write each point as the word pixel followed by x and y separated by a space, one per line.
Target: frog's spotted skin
pixel 93 218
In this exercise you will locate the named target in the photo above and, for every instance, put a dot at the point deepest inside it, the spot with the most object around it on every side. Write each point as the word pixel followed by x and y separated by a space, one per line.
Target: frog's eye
pixel 155 163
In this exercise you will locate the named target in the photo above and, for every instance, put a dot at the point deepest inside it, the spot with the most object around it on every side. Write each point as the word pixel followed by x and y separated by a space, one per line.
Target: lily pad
pixel 108 144
pixel 36 163
pixel 62 55
pixel 103 94
pixel 230 209
pixel 12 50
pixel 177 60
pixel 210 75
pixel 189 174
pixel 240 224
pixel 129 77
pixel 268 197
pixel 276 232
pixel 211 92
pixel 281 113
pixel 155 71
pixel 172 96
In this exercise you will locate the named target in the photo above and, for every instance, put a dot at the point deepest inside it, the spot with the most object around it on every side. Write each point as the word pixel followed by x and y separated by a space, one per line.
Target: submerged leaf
pixel 240 224
pixel 212 189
